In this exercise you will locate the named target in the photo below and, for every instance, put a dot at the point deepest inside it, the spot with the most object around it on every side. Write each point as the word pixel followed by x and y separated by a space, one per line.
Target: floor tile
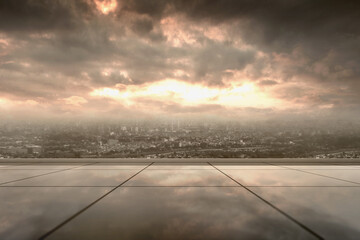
pixel 44 166
pixel 114 166
pixel 348 175
pixel 7 175
pixel 179 166
pixel 180 213
pixel 319 167
pixel 180 178
pixel 285 177
pixel 332 212
pixel 245 167
pixel 7 166
pixel 79 178
pixel 28 213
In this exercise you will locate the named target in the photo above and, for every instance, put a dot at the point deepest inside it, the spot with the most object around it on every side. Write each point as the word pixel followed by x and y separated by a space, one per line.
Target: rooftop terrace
pixel 179 199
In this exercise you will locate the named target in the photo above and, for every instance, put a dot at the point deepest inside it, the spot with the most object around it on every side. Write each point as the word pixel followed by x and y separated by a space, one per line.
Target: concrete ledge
pixel 185 160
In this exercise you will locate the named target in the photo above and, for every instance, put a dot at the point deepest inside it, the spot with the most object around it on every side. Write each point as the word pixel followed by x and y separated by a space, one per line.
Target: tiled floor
pixel 179 201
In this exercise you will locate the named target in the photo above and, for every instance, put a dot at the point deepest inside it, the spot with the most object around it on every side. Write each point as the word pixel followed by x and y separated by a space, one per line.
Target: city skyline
pixel 178 138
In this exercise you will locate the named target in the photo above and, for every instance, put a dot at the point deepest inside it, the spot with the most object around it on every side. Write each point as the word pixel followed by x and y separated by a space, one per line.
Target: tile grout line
pixel 174 169
pixel 14 165
pixel 140 186
pixel 44 174
pixel 122 169
pixel 317 174
pixel 90 205
pixel 181 186
pixel 271 205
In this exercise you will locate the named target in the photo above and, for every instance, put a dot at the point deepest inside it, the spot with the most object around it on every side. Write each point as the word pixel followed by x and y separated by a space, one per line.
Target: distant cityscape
pixel 179 139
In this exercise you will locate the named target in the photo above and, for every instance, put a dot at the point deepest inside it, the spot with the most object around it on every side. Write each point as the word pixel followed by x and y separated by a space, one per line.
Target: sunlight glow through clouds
pixel 245 95
pixel 3 103
pixel 75 101
pixel 106 6
pixel 8 104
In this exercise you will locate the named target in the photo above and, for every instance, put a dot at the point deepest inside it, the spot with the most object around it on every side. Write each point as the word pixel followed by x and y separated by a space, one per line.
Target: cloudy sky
pixel 229 58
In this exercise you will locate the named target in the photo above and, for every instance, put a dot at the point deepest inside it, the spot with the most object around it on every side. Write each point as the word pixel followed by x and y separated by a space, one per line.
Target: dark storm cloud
pixel 212 62
pixel 280 22
pixel 154 9
pixel 267 83
pixel 280 26
pixel 316 28
pixel 53 49
pixel 279 18
pixel 33 15
pixel 294 17
pixel 143 26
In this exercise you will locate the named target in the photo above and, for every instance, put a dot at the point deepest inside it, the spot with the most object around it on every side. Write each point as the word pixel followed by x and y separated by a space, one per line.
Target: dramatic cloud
pixel 125 57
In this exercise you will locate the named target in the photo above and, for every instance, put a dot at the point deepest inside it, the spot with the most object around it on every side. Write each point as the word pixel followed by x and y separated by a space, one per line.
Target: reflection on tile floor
pixel 333 212
pixel 179 166
pixel 112 166
pixel 247 167
pixel 176 177
pixel 348 175
pixel 77 177
pixel 284 177
pixel 179 201
pixel 8 165
pixel 7 175
pixel 320 167
pixel 43 166
pixel 181 213
pixel 26 213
